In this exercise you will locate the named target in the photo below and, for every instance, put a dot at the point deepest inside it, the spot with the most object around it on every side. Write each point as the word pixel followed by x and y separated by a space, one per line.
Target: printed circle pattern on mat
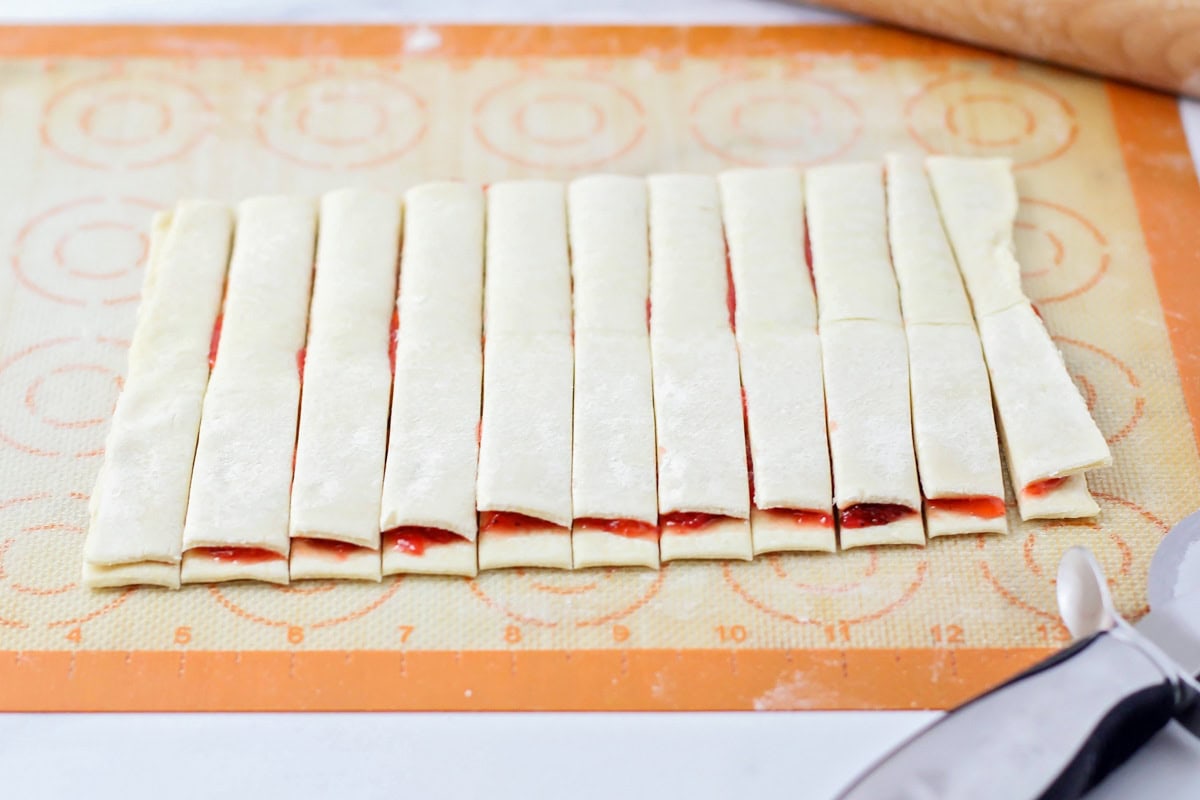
pixel 549 598
pixel 1062 254
pixel 846 588
pixel 564 122
pixel 1116 412
pixel 304 606
pixel 56 396
pixel 89 250
pixel 1025 580
pixel 41 545
pixel 992 115
pixel 767 120
pixel 343 121
pixel 126 121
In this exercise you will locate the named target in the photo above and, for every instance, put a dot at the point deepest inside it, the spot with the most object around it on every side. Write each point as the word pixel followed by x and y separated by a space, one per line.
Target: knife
pixel 1057 729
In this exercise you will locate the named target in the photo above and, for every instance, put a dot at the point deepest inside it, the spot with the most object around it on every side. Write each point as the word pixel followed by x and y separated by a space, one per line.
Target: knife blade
pixel 1057 729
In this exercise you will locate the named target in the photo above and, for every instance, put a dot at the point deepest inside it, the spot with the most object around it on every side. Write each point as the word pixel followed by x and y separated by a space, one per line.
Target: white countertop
pixel 659 755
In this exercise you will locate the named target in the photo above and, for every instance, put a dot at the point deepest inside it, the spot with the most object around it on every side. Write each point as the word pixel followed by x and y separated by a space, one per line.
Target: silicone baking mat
pixel 103 125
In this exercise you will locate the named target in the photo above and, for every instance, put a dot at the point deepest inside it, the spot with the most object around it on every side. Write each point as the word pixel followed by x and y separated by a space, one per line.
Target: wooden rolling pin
pixel 1152 42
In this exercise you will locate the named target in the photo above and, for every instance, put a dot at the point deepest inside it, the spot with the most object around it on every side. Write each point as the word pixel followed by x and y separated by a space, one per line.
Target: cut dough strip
pixel 954 428
pixel 780 357
pixel 870 433
pixel 1046 428
pixel 428 510
pixel 524 484
pixel 978 202
pixel 848 228
pixel 1045 425
pixel 241 481
pixel 347 382
pixel 763 211
pixel 703 484
pixel 613 478
pixel 140 499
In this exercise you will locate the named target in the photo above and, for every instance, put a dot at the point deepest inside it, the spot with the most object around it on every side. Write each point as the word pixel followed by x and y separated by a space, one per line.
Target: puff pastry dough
pixel 848 228
pixel 870 428
pixel 1045 424
pixel 697 397
pixel 763 211
pixel 613 478
pixel 525 445
pixel 433 450
pixel 138 506
pixel 978 202
pixel 241 480
pixel 780 356
pixel 344 402
pixel 954 428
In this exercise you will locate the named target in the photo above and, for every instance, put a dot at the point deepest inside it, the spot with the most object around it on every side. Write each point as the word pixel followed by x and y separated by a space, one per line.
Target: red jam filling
pixel 870 515
pixel 393 333
pixel 983 507
pixel 326 547
pixel 238 555
pixel 1043 487
pixel 800 516
pixel 415 540
pixel 684 521
pixel 730 292
pixel 512 522
pixel 631 528
pixel 215 341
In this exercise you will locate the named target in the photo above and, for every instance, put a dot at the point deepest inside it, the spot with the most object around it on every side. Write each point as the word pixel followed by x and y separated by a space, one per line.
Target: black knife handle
pixel 1052 732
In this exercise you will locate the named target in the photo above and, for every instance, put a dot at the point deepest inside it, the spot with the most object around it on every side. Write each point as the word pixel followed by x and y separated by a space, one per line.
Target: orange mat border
pixel 1168 200
pixel 642 680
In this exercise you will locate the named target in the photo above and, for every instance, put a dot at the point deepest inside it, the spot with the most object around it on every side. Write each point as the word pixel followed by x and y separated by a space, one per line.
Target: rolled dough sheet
pixel 528 376
pixel 946 522
pixel 241 481
pixel 778 530
pixel 978 202
pixel 613 473
pixel 870 426
pixel 141 496
pixel 931 288
pixel 144 573
pixel 689 286
pixel 528 285
pixel 534 546
pixel 908 530
pixel 441 282
pixel 613 470
pixel 525 445
pixel 610 260
pixel 320 559
pixel 202 567
pixel 789 446
pixel 1069 500
pixel 340 450
pixel 456 557
pixel 598 548
pixel 724 537
pixel 954 428
pixel 700 432
pixel 763 211
pixel 1048 431
pixel 847 224
pixel 433 450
